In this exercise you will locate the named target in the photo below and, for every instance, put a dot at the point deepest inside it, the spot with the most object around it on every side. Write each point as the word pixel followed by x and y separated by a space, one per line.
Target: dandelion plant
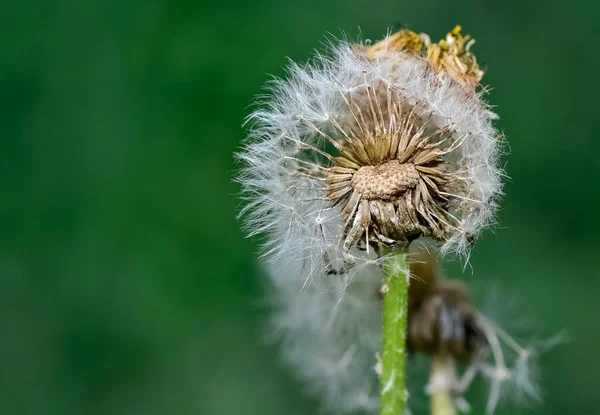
pixel 352 161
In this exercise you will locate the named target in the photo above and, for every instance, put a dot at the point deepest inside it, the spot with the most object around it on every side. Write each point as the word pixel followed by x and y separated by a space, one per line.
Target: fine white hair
pixel 287 206
pixel 330 334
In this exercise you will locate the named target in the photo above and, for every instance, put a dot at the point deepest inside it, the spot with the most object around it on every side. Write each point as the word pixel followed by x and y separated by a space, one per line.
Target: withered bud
pixel 441 319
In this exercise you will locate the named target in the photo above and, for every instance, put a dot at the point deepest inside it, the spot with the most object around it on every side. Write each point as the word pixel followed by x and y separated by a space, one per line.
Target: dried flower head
pixel 391 176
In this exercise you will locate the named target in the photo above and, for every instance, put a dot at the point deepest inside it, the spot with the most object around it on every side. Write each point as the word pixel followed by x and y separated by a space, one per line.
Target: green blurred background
pixel 126 286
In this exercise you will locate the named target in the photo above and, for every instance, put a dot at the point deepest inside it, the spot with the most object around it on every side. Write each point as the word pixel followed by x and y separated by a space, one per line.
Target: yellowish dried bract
pixel 451 55
pixel 403 39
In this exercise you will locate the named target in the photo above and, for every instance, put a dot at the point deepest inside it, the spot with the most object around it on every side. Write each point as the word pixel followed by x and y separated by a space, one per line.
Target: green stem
pixel 395 310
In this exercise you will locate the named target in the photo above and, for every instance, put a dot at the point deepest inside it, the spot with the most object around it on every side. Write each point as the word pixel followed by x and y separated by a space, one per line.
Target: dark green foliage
pixel 126 286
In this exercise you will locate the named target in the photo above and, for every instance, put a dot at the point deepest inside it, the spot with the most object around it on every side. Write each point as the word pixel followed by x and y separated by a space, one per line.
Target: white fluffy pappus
pixel 330 333
pixel 291 134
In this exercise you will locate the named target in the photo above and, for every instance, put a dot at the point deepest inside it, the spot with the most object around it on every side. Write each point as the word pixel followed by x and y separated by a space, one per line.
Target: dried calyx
pixel 391 175
pixel 394 175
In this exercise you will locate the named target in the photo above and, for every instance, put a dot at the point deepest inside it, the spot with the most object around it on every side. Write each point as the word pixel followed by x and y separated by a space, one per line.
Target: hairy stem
pixel 395 310
pixel 442 375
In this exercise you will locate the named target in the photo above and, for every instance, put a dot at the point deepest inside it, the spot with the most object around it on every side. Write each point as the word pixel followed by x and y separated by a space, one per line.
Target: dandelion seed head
pixel 370 145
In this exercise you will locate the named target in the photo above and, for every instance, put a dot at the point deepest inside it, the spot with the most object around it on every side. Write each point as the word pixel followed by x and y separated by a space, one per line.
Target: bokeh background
pixel 126 286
